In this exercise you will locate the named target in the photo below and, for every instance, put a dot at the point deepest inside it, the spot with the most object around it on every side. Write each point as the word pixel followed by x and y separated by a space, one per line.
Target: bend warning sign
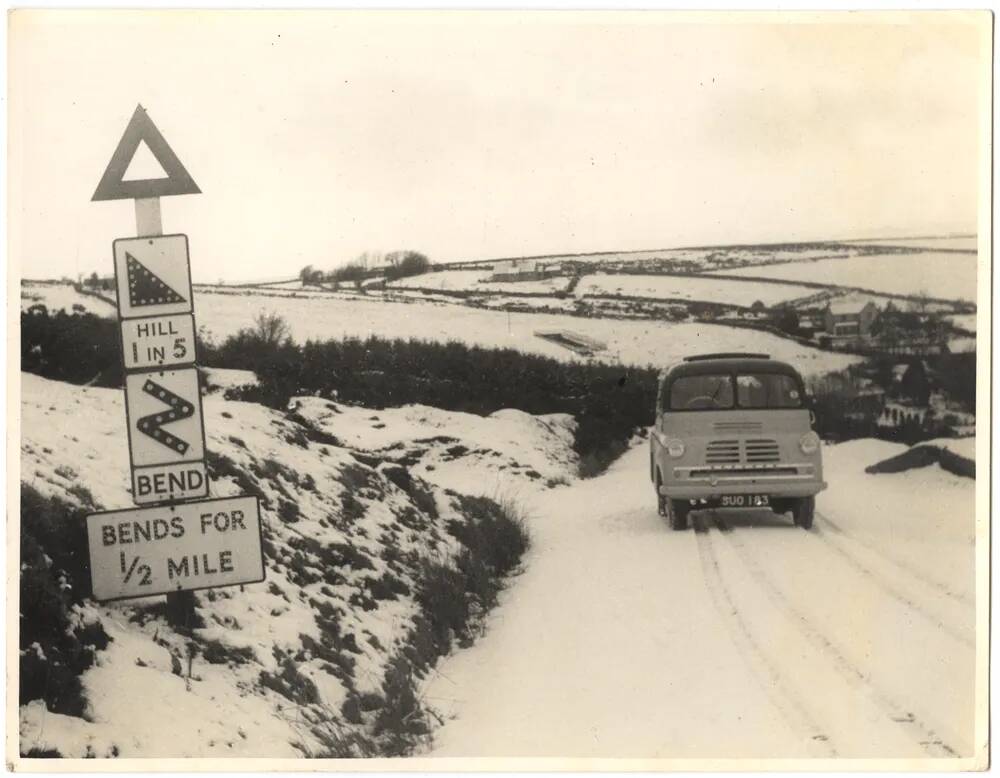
pixel 166 435
pixel 144 551
pixel 153 276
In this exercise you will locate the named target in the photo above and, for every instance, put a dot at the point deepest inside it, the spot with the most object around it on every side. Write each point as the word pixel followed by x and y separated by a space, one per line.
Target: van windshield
pixel 701 392
pixel 753 390
pixel 767 390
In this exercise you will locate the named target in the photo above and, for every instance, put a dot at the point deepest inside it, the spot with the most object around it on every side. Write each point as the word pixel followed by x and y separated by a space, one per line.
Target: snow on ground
pixel 965 322
pixel 627 639
pixel 963 447
pixel 964 243
pixel 557 304
pixel 295 284
pixel 64 297
pixel 500 455
pixel 294 291
pixel 220 379
pixel 703 288
pixel 343 541
pixel 707 257
pixel 962 345
pixel 479 281
pixel 639 342
pixel 937 274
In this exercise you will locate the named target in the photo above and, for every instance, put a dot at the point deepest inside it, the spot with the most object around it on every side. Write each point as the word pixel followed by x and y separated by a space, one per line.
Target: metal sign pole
pixel 147 217
pixel 149 223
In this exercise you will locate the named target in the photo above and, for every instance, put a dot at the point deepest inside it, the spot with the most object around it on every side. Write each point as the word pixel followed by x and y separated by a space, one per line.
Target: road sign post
pixel 172 545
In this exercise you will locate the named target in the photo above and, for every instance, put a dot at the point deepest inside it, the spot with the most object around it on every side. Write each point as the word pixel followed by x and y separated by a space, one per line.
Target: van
pixel 734 431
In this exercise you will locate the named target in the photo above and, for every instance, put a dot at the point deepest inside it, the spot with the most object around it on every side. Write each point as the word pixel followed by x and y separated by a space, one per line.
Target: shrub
pixel 56 646
pixel 290 683
pixel 79 348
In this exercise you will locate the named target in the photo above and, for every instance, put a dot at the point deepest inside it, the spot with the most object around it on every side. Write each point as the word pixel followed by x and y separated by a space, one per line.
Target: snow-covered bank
pixel 500 454
pixel 302 663
pixel 746 638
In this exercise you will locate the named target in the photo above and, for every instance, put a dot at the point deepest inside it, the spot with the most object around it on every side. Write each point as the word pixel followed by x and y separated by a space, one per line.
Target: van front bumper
pixel 794 480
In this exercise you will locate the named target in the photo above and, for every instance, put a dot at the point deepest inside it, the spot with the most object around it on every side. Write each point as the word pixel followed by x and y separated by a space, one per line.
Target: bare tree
pixel 271 329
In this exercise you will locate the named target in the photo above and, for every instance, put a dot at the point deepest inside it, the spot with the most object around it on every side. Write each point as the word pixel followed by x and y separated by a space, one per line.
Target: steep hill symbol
pixel 145 287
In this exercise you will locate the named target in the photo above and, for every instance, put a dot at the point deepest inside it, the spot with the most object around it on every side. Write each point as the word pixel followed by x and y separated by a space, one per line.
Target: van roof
pixel 710 364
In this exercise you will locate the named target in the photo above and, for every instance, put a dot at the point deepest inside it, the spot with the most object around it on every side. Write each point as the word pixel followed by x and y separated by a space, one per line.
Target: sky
pixel 315 136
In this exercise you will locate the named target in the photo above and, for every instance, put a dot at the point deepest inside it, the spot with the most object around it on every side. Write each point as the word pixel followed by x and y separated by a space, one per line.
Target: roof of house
pixel 842 307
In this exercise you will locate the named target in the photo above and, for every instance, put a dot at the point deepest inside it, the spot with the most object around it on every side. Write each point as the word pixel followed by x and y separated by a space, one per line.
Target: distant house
pixel 526 269
pixel 810 323
pixel 850 318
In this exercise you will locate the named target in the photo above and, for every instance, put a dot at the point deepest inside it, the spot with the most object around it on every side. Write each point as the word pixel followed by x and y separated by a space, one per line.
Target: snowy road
pixel 744 637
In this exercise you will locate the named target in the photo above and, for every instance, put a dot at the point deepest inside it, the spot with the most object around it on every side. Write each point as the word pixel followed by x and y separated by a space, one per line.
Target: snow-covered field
pixel 63 297
pixel 702 288
pixel 640 342
pixel 945 275
pixel 478 281
pixel 746 637
pixel 963 243
pixel 709 257
pixel 966 322
pixel 344 543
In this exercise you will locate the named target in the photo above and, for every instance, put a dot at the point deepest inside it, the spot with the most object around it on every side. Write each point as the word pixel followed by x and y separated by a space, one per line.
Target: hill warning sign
pixel 153 276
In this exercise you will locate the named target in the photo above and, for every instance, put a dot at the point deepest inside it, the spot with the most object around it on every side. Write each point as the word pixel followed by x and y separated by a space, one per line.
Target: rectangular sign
pixel 140 552
pixel 153 276
pixel 163 483
pixel 165 425
pixel 161 341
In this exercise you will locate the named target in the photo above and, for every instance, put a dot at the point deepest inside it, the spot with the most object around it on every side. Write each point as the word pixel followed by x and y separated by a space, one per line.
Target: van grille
pixel 761 450
pixel 737 426
pixel 753 451
pixel 723 452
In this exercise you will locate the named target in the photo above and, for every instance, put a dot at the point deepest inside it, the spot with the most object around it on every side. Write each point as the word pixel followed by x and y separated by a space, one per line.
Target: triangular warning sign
pixel 141 129
pixel 145 287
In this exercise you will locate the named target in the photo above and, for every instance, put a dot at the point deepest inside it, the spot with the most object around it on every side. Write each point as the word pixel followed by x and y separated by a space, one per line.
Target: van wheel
pixel 661 500
pixel 781 506
pixel 678 514
pixel 803 512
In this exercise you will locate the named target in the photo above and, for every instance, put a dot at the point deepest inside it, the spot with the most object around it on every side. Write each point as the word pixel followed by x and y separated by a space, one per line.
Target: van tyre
pixel 661 500
pixel 803 512
pixel 678 514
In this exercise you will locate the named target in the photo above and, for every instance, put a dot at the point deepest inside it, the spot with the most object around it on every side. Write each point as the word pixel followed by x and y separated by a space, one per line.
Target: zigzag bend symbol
pixel 152 425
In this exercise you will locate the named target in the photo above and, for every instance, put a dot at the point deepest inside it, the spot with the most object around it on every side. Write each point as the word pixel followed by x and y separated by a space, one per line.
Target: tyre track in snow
pixel 883 582
pixel 893 591
pixel 764 667
pixel 916 574
pixel 918 731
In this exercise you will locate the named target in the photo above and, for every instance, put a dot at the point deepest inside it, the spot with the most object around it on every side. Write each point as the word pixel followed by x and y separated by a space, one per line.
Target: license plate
pixel 744 501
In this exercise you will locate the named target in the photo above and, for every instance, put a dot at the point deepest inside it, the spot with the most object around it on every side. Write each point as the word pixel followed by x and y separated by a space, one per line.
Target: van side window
pixel 701 392
pixel 767 390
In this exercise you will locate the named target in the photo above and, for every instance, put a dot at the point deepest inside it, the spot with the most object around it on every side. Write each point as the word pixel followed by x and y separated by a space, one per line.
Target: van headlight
pixel 809 443
pixel 675 448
